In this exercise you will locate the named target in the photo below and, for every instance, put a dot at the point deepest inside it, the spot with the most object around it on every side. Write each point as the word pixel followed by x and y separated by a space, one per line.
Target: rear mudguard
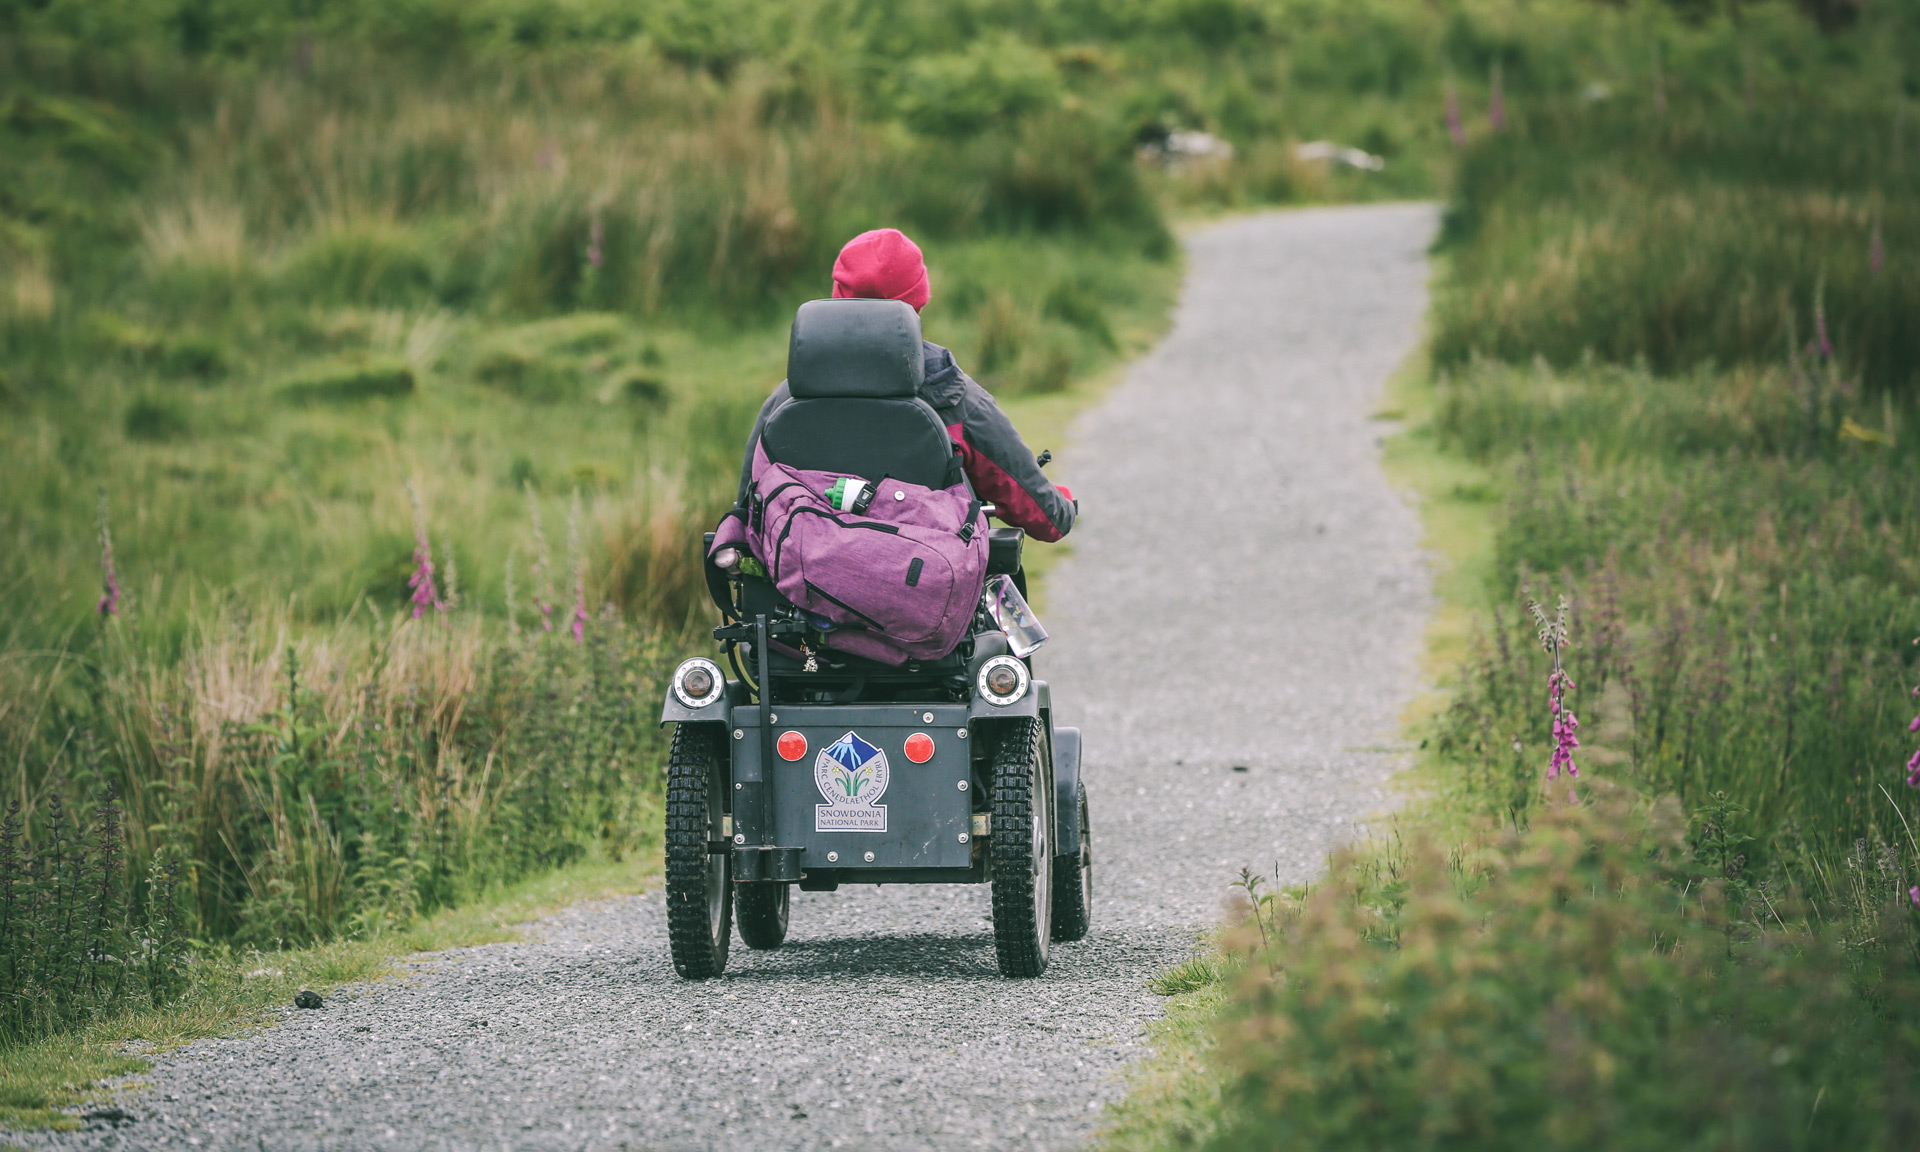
pixel 718 712
pixel 1066 784
pixel 1037 702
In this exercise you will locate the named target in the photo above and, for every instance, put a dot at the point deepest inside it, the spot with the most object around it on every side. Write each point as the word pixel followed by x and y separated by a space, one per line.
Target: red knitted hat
pixel 881 265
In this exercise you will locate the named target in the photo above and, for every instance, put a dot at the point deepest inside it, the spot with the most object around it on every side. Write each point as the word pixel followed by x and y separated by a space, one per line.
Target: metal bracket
pixel 766 862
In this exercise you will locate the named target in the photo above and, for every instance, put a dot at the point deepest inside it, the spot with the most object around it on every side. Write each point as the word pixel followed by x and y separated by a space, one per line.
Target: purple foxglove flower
pixel 1913 895
pixel 1876 252
pixel 1455 131
pixel 579 611
pixel 1914 724
pixel 424 596
pixel 1497 107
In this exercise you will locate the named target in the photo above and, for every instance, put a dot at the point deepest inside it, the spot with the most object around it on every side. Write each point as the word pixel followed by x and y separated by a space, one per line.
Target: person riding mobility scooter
pixel 882 723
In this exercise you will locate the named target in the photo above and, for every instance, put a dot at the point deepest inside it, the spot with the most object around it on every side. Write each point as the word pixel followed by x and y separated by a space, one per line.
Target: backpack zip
pixel 835 600
pixel 781 543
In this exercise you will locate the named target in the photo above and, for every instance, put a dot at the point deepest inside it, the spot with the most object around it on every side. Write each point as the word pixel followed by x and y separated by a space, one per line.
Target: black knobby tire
pixel 1022 847
pixel 1073 879
pixel 761 912
pixel 699 888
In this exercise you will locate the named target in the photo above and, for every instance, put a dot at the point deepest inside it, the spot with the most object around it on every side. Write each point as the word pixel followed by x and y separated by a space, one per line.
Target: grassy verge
pixel 42 1082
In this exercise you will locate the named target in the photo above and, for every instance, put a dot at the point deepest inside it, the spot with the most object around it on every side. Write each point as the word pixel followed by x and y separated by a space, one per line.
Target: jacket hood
pixel 945 385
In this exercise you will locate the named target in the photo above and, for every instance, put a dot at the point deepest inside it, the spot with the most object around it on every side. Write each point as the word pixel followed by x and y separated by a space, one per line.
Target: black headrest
pixel 867 348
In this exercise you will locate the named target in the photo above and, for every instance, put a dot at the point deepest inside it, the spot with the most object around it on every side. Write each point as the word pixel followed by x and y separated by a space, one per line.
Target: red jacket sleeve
pixel 1004 472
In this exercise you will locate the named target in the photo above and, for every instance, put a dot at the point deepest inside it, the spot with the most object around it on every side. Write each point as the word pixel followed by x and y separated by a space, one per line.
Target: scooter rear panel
pixel 880 786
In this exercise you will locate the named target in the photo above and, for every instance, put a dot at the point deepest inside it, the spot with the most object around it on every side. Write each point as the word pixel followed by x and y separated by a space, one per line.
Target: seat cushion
pixel 903 439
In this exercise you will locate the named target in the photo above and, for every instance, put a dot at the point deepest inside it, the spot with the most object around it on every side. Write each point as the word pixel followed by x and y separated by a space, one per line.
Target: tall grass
pixel 1704 236
pixel 1743 590
pixel 293 790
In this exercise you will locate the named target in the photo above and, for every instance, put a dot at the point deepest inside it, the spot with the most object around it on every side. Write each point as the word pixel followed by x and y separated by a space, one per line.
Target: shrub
pixel 646 391
pixel 995 80
pixel 1582 985
pixel 1079 304
pixel 200 357
pixel 155 419
pixel 1046 367
pixel 360 262
pixel 1004 331
pixel 345 382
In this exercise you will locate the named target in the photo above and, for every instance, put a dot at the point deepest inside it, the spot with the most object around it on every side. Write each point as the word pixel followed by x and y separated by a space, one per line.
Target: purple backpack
pixel 898 572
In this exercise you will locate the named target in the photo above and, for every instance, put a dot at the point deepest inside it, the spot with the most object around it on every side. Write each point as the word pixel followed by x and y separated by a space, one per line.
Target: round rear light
pixel 919 747
pixel 1003 680
pixel 792 745
pixel 698 682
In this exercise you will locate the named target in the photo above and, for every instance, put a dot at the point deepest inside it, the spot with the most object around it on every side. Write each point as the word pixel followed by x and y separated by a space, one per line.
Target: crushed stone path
pixel 1235 630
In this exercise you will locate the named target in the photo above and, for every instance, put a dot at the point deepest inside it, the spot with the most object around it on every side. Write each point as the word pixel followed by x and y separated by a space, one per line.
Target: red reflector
pixel 792 745
pixel 919 747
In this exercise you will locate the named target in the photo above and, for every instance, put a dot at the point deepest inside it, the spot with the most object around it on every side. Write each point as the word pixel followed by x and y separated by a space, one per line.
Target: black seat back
pixel 854 369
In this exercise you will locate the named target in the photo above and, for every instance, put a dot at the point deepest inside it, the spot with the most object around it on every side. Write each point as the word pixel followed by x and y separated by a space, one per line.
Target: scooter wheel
pixel 1073 880
pixel 699 886
pixel 761 912
pixel 1022 850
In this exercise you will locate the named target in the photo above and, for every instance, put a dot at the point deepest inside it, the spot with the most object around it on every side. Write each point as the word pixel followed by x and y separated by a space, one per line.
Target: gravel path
pixel 1235 631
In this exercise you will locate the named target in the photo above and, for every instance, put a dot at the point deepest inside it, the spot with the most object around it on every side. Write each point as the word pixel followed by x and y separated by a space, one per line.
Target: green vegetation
pixel 368 371
pixel 1670 383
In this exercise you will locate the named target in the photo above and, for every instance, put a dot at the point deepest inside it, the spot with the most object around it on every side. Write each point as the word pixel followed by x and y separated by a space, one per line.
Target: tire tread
pixel 1016 936
pixel 692 759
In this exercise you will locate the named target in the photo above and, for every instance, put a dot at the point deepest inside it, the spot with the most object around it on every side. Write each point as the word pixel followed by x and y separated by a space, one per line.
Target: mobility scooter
pixel 845 746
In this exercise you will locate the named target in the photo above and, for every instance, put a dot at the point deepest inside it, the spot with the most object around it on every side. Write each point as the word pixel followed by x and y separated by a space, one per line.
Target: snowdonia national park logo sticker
pixel 851 774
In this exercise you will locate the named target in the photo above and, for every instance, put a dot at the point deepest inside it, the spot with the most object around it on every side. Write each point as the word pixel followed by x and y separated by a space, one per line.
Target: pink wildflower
pixel 1913 895
pixel 1822 343
pixel 579 609
pixel 1876 251
pixel 579 571
pixel 1455 131
pixel 109 604
pixel 1913 770
pixel 1553 637
pixel 1565 725
pixel 424 594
